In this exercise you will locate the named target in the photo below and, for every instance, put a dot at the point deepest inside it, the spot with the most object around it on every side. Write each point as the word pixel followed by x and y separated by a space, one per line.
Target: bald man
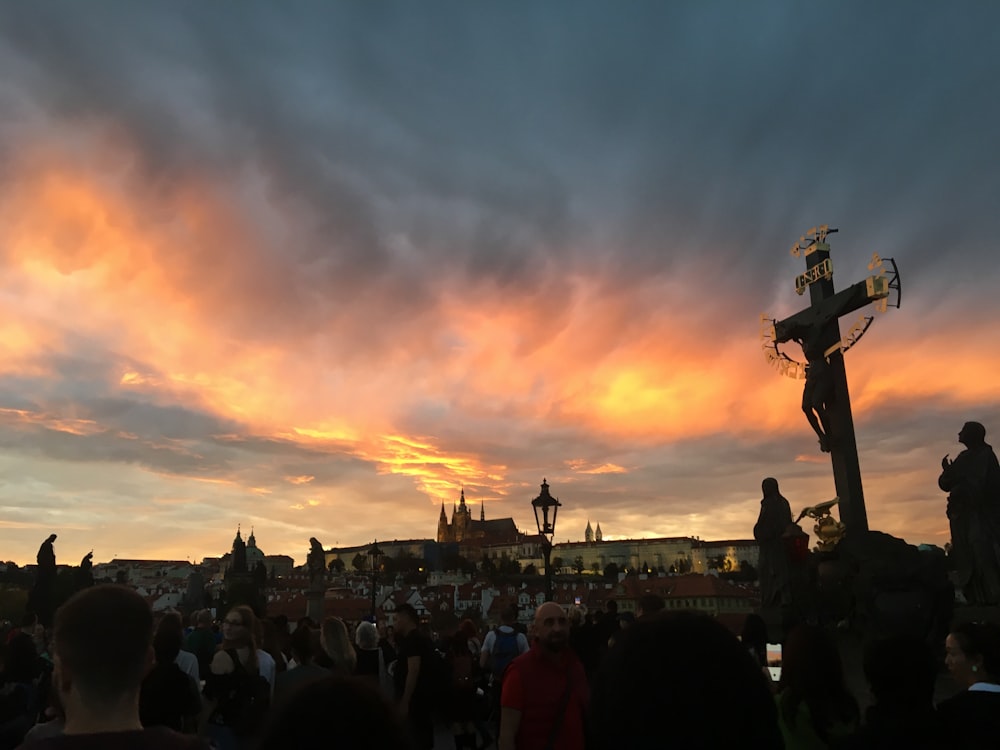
pixel 545 693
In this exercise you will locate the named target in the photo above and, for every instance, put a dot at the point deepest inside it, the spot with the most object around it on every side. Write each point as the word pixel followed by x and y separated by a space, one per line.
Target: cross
pixel 826 400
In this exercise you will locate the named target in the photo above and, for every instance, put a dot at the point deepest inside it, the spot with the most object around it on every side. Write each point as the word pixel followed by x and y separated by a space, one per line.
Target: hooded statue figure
pixel 774 520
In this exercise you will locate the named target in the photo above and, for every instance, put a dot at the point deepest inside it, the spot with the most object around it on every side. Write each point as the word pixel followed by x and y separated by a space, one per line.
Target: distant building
pixel 468 532
pixel 590 537
pixel 249 554
pixel 682 554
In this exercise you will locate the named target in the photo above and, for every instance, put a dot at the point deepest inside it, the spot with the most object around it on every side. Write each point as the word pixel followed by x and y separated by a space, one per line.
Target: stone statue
pixel 85 575
pixel 772 525
pixel 819 385
pixel 316 563
pixel 973 481
pixel 41 598
pixel 46 557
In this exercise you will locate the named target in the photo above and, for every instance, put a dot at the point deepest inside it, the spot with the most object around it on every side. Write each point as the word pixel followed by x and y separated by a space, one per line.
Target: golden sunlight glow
pixel 190 322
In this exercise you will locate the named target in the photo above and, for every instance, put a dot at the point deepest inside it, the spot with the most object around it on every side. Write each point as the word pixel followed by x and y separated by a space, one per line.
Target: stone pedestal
pixel 314 605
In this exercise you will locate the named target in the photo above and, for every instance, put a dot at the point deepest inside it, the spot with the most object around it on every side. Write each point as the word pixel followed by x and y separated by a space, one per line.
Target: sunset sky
pixel 314 267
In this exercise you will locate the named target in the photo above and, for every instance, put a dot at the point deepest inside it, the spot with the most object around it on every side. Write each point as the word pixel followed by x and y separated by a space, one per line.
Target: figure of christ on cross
pixel 825 398
pixel 818 390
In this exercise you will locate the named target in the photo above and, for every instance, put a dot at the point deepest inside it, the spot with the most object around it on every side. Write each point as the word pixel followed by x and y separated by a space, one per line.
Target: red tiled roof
pixel 695 584
pixel 352 609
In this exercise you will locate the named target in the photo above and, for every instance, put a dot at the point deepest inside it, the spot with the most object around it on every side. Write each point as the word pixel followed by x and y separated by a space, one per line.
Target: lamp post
pixel 375 554
pixel 545 506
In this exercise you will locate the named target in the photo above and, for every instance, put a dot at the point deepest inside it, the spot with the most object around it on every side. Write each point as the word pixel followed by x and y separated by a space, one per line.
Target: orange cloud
pixel 190 288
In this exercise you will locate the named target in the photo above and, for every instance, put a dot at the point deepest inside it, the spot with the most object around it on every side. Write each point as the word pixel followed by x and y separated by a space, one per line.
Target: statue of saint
pixel 772 525
pixel 316 563
pixel 973 483
pixel 41 598
pixel 46 557
pixel 85 575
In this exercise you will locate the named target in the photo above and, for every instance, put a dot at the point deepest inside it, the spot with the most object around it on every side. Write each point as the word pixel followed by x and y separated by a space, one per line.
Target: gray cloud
pixel 376 157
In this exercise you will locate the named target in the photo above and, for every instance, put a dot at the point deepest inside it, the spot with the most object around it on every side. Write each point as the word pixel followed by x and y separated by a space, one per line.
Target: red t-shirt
pixel 535 685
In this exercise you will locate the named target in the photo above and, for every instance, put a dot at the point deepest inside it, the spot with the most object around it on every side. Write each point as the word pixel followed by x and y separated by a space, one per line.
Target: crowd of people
pixel 109 675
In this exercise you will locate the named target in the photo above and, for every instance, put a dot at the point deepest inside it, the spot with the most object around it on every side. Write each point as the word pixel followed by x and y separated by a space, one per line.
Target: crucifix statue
pixel 825 398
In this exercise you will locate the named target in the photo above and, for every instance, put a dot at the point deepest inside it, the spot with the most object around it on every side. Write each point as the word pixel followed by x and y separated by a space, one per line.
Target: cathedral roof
pixel 496 530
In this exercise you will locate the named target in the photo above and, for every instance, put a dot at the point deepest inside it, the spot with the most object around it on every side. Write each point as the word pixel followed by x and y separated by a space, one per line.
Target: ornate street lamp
pixel 376 555
pixel 546 507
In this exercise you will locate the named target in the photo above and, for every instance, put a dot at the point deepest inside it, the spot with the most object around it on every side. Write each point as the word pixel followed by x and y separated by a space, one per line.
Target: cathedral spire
pixel 482 510
pixel 461 502
pixel 588 535
pixel 599 536
pixel 444 516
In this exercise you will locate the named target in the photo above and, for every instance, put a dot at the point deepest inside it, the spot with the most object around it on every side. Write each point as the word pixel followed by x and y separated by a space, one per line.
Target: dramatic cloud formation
pixel 316 268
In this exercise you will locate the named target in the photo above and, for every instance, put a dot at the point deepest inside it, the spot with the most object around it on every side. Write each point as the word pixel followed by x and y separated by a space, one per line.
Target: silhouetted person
pixel 411 676
pixel 101 651
pixel 815 708
pixel 901 672
pixel 201 641
pixel 169 696
pixel 85 573
pixel 773 522
pixel 305 646
pixel 649 605
pixel 663 683
pixel 20 669
pixel 973 479
pixel 972 655
pixel 754 640
pixel 335 712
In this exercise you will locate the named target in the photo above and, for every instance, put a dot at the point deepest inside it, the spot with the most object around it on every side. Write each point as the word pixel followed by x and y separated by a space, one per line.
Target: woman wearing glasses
pixel 238 686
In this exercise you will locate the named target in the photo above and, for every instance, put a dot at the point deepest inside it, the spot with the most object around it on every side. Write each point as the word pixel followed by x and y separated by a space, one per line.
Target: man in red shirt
pixel 545 693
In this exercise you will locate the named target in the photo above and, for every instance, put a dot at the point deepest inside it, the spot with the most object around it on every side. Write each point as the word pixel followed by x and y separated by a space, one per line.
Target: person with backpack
pixel 501 646
pixel 237 685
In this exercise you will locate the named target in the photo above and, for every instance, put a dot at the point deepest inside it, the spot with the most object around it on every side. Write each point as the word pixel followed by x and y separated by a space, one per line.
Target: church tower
pixel 599 536
pixel 443 526
pixel 463 520
pixel 588 535
pixel 238 565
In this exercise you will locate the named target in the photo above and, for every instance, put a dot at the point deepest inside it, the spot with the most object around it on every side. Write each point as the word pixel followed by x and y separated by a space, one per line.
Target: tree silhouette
pixel 578 564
